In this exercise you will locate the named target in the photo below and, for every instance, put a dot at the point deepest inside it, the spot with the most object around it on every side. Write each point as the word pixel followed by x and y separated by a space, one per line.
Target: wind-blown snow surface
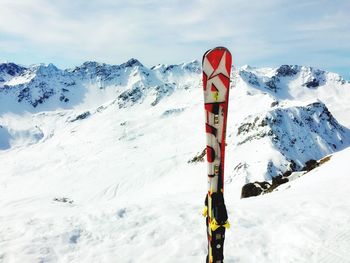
pixel 93 164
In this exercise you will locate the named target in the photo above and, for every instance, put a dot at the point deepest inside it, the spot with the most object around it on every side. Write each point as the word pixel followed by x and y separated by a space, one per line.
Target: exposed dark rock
pixel 63 98
pixel 46 94
pixel 194 67
pixel 287 173
pixel 250 126
pixel 172 112
pixel 274 103
pixel 314 83
pixel 199 157
pixel 254 189
pixel 82 116
pixel 43 92
pixel 324 160
pixel 11 69
pixel 249 77
pixel 162 91
pixel 310 165
pixel 170 67
pixel 63 200
pixel 24 93
pixel 287 70
pixel 240 166
pixel 278 180
pixel 130 97
pixel 292 165
pixel 271 84
pixel 131 63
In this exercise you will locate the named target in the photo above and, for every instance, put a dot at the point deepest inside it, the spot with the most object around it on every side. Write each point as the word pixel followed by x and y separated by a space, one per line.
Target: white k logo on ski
pixel 218 94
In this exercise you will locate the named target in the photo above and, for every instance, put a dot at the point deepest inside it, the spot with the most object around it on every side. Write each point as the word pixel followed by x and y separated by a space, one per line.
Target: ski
pixel 216 65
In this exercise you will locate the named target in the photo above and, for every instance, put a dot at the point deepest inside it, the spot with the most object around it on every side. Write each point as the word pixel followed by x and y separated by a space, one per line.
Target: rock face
pixel 297 133
pixel 287 71
pixel 199 157
pixel 254 189
pixel 8 70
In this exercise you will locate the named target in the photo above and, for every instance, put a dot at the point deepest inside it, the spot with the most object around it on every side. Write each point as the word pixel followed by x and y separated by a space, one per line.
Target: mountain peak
pixel 287 70
pixel 11 69
pixel 133 62
pixel 92 64
pixel 44 69
pixel 246 67
pixel 194 66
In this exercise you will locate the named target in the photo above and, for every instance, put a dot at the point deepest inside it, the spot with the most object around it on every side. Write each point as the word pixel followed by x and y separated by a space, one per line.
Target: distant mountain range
pixel 279 117
pixel 38 84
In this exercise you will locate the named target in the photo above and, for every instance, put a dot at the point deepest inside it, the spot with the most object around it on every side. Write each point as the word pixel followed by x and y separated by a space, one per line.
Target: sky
pixel 258 33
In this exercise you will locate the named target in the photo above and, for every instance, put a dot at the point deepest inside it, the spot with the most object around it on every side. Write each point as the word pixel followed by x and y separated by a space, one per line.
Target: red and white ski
pixel 216 83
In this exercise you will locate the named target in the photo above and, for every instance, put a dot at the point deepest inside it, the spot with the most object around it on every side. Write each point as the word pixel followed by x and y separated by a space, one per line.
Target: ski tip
pixel 213 49
pixel 217 48
pixel 220 47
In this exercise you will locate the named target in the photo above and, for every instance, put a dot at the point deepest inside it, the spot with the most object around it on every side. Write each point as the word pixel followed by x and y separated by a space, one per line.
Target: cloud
pixel 257 32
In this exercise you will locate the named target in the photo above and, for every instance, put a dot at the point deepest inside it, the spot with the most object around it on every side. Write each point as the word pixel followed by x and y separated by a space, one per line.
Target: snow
pixel 105 178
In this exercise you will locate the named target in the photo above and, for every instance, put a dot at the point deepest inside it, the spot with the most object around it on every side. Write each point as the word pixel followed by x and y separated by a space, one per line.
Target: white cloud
pixel 171 31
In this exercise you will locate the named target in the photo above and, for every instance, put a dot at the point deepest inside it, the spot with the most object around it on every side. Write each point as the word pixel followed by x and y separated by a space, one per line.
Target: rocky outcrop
pixel 259 188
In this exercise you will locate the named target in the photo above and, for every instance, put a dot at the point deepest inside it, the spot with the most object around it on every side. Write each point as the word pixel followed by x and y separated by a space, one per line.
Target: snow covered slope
pixel 94 163
pixel 306 221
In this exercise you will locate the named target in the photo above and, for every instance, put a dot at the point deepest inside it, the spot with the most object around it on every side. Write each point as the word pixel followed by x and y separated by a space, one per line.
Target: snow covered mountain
pixel 45 87
pixel 297 134
pixel 285 111
pixel 103 147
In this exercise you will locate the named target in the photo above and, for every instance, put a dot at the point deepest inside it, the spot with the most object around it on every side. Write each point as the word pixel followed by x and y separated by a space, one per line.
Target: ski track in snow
pixel 132 197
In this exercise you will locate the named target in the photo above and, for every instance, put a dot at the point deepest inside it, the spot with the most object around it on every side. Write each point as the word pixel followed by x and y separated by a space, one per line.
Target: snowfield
pixel 306 221
pixel 94 164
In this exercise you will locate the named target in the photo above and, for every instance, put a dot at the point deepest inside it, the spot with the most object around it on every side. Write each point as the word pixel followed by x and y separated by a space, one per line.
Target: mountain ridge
pixel 38 83
pixel 93 87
